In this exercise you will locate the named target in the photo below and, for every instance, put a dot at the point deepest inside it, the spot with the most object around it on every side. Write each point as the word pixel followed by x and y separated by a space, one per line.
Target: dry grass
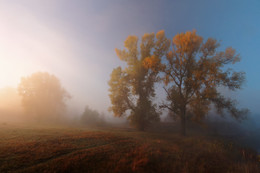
pixel 36 149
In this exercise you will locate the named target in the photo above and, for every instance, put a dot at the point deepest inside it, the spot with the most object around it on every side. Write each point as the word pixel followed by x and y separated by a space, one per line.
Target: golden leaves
pixel 132 88
pixel 131 42
pixel 122 54
pixel 160 34
pixel 131 51
pixel 209 48
pixel 191 70
pixel 148 37
pixel 187 42
pixel 230 55
pixel 151 62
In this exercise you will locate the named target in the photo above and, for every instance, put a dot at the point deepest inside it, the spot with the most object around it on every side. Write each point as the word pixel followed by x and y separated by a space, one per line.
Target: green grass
pixel 67 149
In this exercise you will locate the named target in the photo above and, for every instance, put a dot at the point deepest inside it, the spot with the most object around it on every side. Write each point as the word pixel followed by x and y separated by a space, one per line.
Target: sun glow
pixel 27 45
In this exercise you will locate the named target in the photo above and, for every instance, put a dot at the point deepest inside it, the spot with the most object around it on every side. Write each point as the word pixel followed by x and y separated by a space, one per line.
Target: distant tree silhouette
pixel 193 72
pixel 92 117
pixel 43 97
pixel 132 87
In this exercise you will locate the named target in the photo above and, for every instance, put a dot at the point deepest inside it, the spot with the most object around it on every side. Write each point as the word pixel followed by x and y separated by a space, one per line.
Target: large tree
pixel 194 71
pixel 43 97
pixel 132 87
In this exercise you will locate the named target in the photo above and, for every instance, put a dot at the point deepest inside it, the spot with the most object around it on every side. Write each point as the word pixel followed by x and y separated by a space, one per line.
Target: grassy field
pixel 69 149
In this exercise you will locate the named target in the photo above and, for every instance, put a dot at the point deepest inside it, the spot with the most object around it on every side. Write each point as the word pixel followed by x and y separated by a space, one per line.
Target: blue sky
pixel 75 39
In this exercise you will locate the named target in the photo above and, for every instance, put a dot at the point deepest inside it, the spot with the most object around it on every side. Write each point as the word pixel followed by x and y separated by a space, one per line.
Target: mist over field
pixel 132 86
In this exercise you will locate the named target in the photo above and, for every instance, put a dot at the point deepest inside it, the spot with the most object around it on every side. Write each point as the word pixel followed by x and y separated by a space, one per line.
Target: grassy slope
pixel 36 149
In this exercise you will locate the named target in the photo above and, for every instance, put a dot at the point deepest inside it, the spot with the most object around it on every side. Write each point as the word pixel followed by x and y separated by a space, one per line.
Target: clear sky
pixel 75 39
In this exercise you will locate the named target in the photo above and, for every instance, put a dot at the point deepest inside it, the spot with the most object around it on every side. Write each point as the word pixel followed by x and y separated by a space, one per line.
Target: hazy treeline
pixel 40 98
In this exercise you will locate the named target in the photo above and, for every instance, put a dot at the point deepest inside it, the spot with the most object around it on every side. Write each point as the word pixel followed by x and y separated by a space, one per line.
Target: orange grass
pixel 35 149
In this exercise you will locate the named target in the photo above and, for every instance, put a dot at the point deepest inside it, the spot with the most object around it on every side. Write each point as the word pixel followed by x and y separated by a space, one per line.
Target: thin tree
pixel 193 73
pixel 132 87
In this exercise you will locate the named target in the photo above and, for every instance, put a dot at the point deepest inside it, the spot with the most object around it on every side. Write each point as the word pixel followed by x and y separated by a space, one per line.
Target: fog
pixel 10 105
pixel 129 86
pixel 78 47
pixel 75 41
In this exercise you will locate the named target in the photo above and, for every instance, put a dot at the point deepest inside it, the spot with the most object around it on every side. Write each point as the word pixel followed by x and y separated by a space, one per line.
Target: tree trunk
pixel 141 128
pixel 183 125
pixel 183 121
pixel 141 123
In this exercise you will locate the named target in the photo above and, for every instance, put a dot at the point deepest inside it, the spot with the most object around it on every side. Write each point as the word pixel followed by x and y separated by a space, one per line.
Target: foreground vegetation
pixel 70 149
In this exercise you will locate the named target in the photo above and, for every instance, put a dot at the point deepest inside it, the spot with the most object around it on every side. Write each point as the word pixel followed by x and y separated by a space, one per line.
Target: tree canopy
pixel 193 72
pixel 132 87
pixel 43 97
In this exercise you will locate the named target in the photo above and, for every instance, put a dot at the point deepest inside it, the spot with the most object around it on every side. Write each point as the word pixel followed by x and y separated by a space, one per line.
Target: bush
pixel 92 117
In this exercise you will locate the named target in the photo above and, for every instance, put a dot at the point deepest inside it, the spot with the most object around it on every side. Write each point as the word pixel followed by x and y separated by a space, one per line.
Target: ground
pixel 79 149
